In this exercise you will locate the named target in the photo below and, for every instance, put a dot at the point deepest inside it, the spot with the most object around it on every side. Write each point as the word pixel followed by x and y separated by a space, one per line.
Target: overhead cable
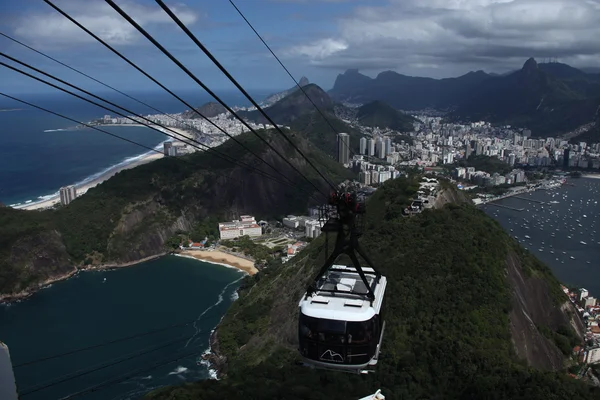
pixel 126 110
pixel 99 367
pixel 223 70
pixel 128 375
pixel 288 72
pixel 210 92
pixel 221 155
pixel 260 172
pixel 113 50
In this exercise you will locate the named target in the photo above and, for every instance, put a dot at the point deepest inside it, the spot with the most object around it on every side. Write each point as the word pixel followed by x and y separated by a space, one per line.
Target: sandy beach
pixel 222 258
pixel 82 188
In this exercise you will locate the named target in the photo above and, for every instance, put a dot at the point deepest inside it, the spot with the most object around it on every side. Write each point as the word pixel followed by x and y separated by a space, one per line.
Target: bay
pixel 566 224
pixel 97 307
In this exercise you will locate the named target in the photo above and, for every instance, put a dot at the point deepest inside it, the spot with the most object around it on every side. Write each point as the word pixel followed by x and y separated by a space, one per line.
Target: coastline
pixel 84 186
pixel 221 258
pixel 11 297
pixel 592 176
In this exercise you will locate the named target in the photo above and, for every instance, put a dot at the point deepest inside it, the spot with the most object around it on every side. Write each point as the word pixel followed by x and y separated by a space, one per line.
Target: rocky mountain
pixel 548 98
pixel 293 106
pixel 467 314
pixel 130 216
pixel 274 98
pixel 404 92
pixel 379 114
pixel 209 110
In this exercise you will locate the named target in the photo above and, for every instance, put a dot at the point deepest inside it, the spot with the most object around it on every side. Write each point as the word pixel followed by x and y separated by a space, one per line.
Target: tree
pixel 173 242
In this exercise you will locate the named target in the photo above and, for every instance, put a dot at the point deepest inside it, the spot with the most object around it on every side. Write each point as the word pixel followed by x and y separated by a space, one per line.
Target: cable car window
pixel 360 332
pixel 332 326
pixel 308 327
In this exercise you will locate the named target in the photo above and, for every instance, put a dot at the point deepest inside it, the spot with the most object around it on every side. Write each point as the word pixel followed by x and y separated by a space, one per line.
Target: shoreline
pixel 591 176
pixel 221 258
pixel 22 295
pixel 83 187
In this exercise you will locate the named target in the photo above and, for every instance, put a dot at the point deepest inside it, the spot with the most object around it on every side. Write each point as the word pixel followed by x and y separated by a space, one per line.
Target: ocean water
pixel 564 231
pixel 88 310
pixel 39 154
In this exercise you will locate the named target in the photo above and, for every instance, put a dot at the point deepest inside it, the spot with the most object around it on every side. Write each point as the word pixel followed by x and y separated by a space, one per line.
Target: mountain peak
pixel 303 81
pixel 530 64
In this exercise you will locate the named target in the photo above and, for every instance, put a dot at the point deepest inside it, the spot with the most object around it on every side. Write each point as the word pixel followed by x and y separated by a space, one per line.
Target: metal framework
pixel 347 221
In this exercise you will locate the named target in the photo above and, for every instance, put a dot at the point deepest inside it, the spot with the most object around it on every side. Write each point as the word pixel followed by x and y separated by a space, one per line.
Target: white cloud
pixel 459 35
pixel 52 29
pixel 321 49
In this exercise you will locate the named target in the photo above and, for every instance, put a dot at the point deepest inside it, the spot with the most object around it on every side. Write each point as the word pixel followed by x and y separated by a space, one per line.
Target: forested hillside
pixel 450 323
pixel 130 216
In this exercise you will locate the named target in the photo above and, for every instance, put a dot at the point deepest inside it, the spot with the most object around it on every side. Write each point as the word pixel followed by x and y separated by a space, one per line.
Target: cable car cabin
pixel 338 327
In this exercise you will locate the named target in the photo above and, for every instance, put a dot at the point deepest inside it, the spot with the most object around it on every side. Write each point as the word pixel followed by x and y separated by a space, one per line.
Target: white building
pixel 371 147
pixel 343 147
pixel 583 293
pixel 291 221
pixel 312 228
pixel 592 356
pixel 363 145
pixel 67 194
pixel 590 302
pixel 245 226
pixel 8 386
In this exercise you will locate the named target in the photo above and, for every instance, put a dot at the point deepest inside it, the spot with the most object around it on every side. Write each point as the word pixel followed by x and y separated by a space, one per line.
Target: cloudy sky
pixel 316 38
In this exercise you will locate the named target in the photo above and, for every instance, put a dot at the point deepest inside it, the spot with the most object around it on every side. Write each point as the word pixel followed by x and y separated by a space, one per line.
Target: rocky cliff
pixel 130 216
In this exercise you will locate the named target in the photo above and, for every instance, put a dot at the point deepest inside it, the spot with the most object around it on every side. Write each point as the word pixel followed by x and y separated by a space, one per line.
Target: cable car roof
pixel 344 304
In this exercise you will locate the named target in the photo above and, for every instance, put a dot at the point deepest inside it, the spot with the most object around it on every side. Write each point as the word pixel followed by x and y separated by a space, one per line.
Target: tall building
pixel 371 147
pixel 343 144
pixel 363 145
pixel 566 158
pixel 166 147
pixel 388 145
pixel 67 194
pixel 380 149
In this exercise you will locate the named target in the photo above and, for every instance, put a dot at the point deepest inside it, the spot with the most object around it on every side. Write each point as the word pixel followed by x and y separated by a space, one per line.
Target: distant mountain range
pixel 382 115
pixel 549 98
pixel 275 97
pixel 209 110
pixel 298 112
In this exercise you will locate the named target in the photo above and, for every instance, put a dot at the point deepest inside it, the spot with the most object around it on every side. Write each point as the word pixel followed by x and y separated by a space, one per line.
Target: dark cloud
pixel 443 35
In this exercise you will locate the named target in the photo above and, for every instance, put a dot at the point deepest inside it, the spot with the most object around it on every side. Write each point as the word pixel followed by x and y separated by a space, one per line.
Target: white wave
pixel 125 162
pixel 55 130
pixel 219 301
pixel 178 370
pixel 235 295
pixel 212 262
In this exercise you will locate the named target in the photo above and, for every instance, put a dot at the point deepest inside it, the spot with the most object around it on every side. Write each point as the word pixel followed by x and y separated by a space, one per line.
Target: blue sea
pixel 39 152
pixel 96 307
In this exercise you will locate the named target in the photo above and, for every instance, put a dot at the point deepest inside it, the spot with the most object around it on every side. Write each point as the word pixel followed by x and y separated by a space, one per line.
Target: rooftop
pixel 344 305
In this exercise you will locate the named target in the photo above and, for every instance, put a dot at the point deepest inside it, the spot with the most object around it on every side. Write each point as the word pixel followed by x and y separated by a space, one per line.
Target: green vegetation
pixel 447 325
pixel 382 115
pixel 487 164
pixel 127 217
pixel 315 128
pixel 244 244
